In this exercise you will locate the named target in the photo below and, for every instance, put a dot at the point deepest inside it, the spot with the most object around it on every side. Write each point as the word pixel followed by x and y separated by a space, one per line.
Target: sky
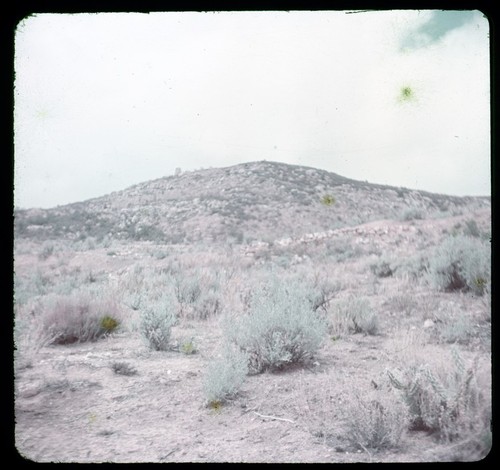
pixel 108 100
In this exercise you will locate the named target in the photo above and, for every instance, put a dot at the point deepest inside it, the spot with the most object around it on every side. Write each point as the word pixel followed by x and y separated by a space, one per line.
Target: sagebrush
pixel 281 327
pixel 225 375
pixel 80 317
pixel 461 263
pixel 448 401
pixel 156 323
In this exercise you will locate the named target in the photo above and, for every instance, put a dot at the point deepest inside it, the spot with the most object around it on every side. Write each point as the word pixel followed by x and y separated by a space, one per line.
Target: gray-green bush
pixel 225 375
pixel 280 328
pixel 447 401
pixel 461 263
pixel 156 323
pixel 382 268
pixel 412 213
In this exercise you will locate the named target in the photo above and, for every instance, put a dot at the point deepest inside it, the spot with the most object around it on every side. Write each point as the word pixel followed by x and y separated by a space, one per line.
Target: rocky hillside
pixel 238 204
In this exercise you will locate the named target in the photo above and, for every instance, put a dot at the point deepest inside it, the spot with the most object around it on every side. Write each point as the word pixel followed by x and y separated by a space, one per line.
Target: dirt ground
pixel 71 406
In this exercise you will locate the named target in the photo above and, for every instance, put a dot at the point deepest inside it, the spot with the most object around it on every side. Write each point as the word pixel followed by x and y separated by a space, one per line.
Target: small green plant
pixel 109 323
pixel 187 346
pixel 224 376
pixel 215 406
pixel 328 200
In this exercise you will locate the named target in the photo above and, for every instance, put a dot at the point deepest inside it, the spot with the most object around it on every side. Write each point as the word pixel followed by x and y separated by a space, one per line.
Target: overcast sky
pixel 104 101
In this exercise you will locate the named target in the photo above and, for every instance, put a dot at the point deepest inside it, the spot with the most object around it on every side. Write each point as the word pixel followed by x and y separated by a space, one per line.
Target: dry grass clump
pixel 352 315
pixel 375 420
pixel 352 415
pixel 80 317
pixel 30 335
pixel 198 294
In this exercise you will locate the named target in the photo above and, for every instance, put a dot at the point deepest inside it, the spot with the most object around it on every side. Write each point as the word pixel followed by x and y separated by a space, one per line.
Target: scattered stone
pixel 428 324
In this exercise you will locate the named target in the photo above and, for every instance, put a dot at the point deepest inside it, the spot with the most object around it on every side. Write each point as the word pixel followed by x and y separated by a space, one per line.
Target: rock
pixel 428 324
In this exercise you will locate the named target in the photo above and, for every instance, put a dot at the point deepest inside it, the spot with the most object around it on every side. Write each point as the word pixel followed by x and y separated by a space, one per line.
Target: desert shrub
pixel 198 295
pixel 402 303
pixel 147 232
pixel 78 318
pixel 159 254
pixel 156 322
pixel 447 401
pixel 30 335
pixel 471 229
pixel 353 315
pixel 461 263
pixel 382 268
pixel 412 213
pixel 413 267
pixel 123 368
pixel 31 286
pixel 456 329
pixel 46 251
pixel 187 289
pixel 207 304
pixel 225 375
pixel 280 328
pixel 342 249
pixel 134 300
pixel 376 420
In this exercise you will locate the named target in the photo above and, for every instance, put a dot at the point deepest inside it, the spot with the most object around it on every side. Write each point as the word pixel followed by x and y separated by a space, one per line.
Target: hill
pixel 240 204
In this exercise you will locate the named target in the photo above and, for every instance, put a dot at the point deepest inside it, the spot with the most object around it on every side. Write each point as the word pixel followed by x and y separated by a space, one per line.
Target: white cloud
pixel 105 101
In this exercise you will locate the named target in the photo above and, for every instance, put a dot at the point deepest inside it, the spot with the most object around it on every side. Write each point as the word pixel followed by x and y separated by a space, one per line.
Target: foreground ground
pixel 71 406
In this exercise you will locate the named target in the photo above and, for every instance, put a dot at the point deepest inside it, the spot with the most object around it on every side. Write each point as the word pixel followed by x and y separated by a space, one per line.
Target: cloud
pixel 435 26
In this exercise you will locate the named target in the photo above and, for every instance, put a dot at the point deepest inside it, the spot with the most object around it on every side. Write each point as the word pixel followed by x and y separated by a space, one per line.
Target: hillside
pixel 239 204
